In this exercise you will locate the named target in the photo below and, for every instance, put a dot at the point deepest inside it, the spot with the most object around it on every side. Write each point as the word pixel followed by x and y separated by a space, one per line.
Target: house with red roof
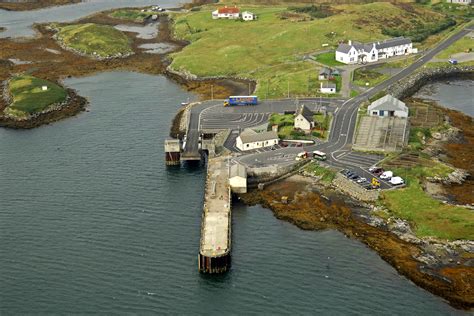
pixel 226 13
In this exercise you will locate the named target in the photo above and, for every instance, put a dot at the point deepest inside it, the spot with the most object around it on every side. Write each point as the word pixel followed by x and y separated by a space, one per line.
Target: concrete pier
pixel 214 253
pixel 172 152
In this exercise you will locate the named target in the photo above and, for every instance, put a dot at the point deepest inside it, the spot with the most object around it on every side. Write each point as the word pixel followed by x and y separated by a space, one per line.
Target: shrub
pixel 421 32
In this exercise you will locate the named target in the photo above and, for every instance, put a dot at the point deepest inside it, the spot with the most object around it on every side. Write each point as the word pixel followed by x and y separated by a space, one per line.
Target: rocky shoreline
pixel 443 268
pixel 41 63
pixel 13 5
pixel 73 105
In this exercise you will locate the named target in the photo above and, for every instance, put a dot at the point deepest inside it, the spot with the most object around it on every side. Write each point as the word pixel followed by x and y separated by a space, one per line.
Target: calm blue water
pixel 454 94
pixel 91 221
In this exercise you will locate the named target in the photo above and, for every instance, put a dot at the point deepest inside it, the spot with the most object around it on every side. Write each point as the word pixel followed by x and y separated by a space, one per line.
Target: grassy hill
pixel 96 40
pixel 28 96
pixel 270 50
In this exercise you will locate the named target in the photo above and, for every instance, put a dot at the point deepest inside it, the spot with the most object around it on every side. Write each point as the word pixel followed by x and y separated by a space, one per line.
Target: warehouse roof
pixel 388 103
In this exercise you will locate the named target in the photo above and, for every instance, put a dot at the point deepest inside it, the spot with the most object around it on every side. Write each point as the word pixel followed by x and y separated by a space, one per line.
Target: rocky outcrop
pixel 73 105
pixel 412 84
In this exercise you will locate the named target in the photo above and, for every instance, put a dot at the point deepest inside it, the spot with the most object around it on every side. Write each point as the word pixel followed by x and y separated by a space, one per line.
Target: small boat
pixel 185 103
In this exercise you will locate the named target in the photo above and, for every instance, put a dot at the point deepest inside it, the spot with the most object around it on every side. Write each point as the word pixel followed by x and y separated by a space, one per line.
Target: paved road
pixel 213 116
pixel 343 126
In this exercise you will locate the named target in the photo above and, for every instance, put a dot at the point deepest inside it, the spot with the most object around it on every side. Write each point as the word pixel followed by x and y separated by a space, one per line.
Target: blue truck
pixel 241 100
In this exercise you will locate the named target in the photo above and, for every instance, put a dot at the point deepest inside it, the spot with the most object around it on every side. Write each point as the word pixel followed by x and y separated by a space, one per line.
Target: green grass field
pixel 326 174
pixel 135 15
pixel 270 50
pixel 95 40
pixel 372 76
pixel 328 59
pixel 465 44
pixel 428 216
pixel 28 96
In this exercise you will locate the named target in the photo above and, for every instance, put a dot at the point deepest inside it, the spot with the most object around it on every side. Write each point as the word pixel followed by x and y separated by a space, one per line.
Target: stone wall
pixel 353 189
pixel 412 84
pixel 270 174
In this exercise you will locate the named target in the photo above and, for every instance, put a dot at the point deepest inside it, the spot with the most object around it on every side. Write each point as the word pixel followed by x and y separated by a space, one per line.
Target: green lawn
pixel 270 49
pixel 326 174
pixel 135 15
pixel 282 119
pixel 363 76
pixel 96 40
pixel 428 216
pixel 465 44
pixel 28 96
pixel 328 59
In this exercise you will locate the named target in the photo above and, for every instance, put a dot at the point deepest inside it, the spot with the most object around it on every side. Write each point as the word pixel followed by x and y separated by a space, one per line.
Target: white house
pixel 249 139
pixel 238 178
pixel 388 106
pixel 226 13
pixel 355 52
pixel 248 16
pixel 304 119
pixel 328 87
pixel 466 2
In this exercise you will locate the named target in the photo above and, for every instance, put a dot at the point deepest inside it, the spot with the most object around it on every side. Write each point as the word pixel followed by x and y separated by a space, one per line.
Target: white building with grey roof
pixel 388 106
pixel 249 139
pixel 304 119
pixel 355 52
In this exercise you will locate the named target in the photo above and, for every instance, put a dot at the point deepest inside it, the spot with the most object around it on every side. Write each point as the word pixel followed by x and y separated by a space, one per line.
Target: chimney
pixel 350 42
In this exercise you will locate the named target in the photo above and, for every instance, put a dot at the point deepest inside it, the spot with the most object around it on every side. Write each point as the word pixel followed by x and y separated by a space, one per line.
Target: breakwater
pixel 409 86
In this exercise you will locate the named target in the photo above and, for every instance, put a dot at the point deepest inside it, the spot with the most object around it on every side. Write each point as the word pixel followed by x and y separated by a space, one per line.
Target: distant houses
pixel 355 52
pixel 465 2
pixel 232 13
pixel 304 119
pixel 388 106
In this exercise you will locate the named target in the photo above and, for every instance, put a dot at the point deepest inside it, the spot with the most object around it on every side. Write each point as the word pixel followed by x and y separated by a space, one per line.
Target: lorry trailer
pixel 241 100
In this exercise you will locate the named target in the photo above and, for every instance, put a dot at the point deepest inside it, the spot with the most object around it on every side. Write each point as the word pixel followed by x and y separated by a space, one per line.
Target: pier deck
pixel 214 253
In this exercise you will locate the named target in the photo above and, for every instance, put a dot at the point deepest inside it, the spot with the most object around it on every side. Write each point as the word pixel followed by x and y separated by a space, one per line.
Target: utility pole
pixel 250 89
pixel 212 92
pixel 288 88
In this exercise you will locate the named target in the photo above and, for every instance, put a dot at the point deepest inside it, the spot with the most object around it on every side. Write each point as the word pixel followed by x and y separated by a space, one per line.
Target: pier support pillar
pixel 214 265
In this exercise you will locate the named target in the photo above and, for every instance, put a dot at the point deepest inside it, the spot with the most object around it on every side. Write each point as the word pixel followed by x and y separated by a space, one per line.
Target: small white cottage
pixel 304 119
pixel 249 139
pixel 238 178
pixel 248 16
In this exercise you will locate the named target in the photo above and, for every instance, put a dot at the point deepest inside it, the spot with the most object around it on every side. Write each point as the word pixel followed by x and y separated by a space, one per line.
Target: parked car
pixel 376 170
pixel 397 181
pixel 284 144
pixel 387 175
pixel 361 180
pixel 302 155
pixel 354 177
pixel 453 61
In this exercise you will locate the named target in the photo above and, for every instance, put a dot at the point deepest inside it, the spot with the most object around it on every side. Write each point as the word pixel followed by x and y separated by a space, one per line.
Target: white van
pixel 396 181
pixel 387 175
